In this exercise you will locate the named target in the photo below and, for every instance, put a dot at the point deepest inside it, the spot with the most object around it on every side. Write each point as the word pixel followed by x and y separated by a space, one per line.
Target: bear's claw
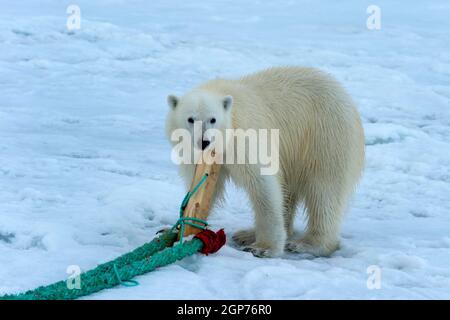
pixel 258 252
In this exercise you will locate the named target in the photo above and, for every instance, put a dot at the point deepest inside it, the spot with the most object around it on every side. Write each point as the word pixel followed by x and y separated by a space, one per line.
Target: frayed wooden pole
pixel 200 202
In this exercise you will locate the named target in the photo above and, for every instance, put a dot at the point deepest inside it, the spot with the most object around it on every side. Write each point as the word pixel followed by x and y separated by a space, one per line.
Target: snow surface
pixel 85 170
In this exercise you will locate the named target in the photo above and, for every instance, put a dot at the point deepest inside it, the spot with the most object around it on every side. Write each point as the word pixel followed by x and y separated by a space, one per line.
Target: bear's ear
pixel 227 103
pixel 172 101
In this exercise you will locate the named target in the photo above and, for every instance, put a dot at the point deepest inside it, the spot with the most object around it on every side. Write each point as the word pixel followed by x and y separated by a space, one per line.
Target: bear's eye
pixel 213 120
pixel 191 120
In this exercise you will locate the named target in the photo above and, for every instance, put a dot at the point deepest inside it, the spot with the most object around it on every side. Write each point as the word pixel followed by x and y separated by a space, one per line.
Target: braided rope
pixel 157 253
pixel 146 259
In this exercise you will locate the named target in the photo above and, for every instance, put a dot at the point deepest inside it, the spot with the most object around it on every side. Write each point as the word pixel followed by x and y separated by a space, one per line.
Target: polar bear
pixel 321 152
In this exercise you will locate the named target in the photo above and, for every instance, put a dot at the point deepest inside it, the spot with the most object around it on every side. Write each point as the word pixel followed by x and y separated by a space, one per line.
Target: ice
pixel 85 170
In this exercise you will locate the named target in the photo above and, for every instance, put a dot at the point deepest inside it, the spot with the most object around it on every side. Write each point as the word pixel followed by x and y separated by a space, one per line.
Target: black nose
pixel 205 144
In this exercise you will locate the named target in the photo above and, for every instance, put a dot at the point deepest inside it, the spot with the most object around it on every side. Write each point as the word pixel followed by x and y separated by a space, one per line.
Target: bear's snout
pixel 205 144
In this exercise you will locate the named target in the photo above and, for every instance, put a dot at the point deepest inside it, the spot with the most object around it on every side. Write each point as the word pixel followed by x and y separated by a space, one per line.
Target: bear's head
pixel 201 113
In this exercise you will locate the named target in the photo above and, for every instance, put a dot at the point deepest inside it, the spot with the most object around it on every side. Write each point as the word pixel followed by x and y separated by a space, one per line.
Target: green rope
pixel 126 283
pixel 118 271
pixel 157 253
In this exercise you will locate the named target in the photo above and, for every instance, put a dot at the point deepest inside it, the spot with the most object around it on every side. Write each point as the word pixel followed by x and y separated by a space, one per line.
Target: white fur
pixel 321 152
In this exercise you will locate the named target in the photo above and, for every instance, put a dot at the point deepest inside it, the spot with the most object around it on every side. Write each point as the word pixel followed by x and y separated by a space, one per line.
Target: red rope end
pixel 212 241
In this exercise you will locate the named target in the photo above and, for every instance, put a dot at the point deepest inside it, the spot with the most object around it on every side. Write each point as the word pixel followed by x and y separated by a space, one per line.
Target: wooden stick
pixel 200 202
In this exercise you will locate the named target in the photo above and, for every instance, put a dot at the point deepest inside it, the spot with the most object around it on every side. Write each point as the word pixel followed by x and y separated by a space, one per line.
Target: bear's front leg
pixel 266 197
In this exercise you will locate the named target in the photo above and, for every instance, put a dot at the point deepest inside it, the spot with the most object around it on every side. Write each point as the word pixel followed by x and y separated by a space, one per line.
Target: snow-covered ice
pixel 85 170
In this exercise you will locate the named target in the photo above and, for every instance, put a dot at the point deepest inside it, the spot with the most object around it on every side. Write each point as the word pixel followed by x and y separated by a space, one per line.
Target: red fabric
pixel 212 241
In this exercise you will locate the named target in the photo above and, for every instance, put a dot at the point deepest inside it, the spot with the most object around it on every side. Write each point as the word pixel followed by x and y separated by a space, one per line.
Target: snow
pixel 85 170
